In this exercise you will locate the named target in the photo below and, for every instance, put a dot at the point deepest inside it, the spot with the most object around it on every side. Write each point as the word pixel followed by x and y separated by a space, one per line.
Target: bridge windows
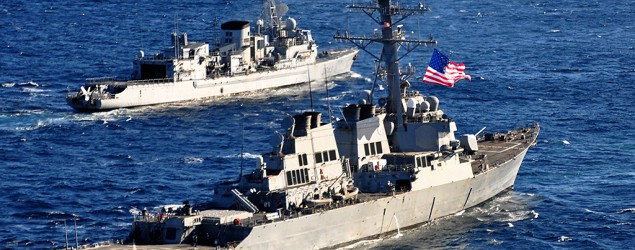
pixel 378 145
pixel 325 156
pixel 373 148
pixel 332 155
pixel 298 177
pixel 302 160
pixel 425 161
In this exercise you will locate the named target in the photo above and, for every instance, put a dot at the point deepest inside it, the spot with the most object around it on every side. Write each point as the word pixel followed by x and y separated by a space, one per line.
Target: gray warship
pixel 325 185
pixel 276 54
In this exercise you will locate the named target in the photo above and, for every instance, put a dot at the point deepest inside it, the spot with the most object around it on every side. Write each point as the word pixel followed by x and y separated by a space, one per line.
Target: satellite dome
pixel 291 24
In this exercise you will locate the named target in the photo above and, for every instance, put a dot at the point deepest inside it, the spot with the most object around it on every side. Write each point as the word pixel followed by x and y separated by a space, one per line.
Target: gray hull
pixel 371 219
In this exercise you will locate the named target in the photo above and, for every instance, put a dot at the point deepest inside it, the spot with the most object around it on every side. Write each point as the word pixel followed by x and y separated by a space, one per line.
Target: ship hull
pixel 348 224
pixel 167 92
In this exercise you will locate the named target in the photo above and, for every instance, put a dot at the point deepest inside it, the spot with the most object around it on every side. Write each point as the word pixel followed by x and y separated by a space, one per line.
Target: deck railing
pixel 123 81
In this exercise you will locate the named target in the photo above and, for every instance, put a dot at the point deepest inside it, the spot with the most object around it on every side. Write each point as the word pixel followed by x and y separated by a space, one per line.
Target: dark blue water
pixel 569 65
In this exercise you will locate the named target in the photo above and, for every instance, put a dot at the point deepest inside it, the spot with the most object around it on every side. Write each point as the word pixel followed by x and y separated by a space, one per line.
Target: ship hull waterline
pixel 168 92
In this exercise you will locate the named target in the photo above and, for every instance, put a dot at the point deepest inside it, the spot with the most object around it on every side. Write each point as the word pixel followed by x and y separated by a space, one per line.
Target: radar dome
pixel 425 106
pixel 291 24
pixel 434 102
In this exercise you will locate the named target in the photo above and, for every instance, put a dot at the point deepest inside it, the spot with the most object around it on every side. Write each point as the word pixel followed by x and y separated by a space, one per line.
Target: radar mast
pixel 388 16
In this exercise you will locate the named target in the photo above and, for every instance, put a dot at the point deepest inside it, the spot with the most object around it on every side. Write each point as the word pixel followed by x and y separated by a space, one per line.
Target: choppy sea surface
pixel 569 65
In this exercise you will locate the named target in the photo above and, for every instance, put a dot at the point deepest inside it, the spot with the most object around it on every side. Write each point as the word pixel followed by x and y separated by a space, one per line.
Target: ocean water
pixel 569 65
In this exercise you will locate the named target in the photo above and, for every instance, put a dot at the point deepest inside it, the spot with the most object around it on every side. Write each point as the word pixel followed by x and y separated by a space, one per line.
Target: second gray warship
pixel 276 54
pixel 325 185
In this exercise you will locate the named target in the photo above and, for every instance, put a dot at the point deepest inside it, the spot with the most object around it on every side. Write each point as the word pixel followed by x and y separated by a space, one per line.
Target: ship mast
pixel 388 17
pixel 271 18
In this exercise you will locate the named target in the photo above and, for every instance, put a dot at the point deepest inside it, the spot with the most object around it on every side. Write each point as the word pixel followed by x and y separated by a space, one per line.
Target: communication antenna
pixel 215 41
pixel 242 141
pixel 76 239
pixel 419 27
pixel 176 35
pixel 308 71
pixel 328 98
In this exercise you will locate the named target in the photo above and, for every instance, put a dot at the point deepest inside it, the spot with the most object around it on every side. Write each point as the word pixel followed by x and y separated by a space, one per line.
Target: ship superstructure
pixel 381 167
pixel 275 53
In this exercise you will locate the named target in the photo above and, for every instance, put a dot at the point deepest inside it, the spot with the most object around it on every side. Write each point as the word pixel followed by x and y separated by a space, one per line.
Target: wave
pixel 43 121
pixel 29 83
pixel 192 160
pixel 39 124
pixel 361 244
pixel 32 90
pixel 519 216
pixel 107 211
pixel 136 190
pixel 356 75
pixel 246 155
pixel 536 214
pixel 627 210
pixel 591 211
pixel 33 119
pixel 104 117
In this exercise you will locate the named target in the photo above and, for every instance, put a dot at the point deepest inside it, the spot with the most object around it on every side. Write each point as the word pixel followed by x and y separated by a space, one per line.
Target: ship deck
pixel 497 148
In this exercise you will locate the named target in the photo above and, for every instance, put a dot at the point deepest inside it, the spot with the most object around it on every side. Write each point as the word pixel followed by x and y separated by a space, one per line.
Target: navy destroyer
pixel 324 185
pixel 276 54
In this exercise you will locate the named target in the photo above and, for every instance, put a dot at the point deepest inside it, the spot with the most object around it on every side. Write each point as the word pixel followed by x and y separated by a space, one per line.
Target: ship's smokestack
pixel 366 111
pixel 302 124
pixel 316 118
pixel 351 113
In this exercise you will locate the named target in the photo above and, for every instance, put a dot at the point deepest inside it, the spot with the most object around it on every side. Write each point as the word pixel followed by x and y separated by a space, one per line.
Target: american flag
pixel 443 71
